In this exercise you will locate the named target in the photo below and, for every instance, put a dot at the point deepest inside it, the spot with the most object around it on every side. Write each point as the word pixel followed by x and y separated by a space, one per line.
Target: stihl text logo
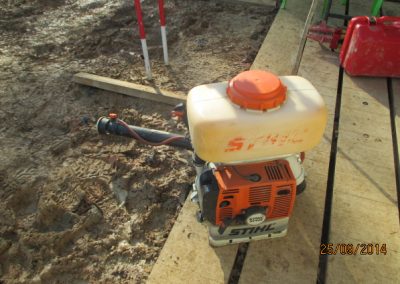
pixel 247 144
pixel 252 230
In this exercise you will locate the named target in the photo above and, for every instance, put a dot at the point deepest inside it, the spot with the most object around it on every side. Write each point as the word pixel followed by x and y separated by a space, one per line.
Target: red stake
pixel 142 34
pixel 140 19
pixel 162 13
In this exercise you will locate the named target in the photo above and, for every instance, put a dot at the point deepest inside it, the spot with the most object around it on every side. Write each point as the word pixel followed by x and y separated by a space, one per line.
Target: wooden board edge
pixel 127 88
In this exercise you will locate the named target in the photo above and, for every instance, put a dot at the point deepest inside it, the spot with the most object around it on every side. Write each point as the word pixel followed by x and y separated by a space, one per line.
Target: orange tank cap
pixel 257 90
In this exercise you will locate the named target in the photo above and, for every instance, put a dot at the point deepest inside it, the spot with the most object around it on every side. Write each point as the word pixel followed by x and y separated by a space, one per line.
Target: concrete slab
pixel 187 257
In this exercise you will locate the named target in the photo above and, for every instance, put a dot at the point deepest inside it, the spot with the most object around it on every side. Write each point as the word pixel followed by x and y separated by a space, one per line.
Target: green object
pixel 325 8
pixel 283 4
pixel 376 7
pixel 375 10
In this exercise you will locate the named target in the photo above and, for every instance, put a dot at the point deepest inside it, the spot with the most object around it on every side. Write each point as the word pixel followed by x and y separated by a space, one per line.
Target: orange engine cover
pixel 275 189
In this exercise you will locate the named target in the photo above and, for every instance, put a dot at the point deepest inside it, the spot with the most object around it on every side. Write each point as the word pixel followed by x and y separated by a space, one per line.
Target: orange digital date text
pixel 353 249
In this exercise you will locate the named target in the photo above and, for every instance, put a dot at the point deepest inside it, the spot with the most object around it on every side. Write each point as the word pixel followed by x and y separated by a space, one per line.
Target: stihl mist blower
pixel 248 136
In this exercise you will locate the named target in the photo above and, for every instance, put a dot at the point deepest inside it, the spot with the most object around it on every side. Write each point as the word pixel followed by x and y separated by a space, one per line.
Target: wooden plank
pixel 364 206
pixel 187 257
pixel 183 259
pixel 129 89
pixel 367 184
pixel 365 209
pixel 396 100
pixel 295 258
pixel 303 40
pixel 279 50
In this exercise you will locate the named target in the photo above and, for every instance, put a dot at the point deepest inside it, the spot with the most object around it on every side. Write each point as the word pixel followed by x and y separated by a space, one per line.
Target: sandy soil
pixel 74 206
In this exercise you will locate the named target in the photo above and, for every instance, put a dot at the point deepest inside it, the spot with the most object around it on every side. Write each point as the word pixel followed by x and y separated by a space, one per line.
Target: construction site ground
pixel 79 208
pixel 76 207
pixel 365 201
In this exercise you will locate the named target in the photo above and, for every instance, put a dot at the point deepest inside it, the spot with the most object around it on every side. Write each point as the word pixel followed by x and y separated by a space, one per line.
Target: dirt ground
pixel 74 206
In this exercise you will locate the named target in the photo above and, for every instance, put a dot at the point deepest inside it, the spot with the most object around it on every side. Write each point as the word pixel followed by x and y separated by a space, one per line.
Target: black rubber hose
pixel 106 125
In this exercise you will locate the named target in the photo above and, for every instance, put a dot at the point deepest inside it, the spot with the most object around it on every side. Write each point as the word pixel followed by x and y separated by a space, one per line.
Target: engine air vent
pixel 258 195
pixel 281 205
pixel 225 213
pixel 274 172
pixel 231 191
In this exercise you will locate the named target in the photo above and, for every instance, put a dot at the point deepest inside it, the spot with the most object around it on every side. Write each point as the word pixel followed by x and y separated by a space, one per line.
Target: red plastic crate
pixel 372 47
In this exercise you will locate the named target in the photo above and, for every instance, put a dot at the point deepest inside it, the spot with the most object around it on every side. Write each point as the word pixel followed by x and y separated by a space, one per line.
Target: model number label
pixel 256 219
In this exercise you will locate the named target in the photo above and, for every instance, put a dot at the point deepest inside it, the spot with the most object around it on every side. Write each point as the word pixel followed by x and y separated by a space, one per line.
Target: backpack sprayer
pixel 248 138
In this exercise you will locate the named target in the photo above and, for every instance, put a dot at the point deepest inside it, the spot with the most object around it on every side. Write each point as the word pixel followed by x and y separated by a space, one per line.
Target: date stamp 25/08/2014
pixel 353 249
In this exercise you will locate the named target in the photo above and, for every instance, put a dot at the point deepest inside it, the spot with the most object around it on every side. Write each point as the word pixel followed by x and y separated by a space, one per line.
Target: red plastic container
pixel 372 47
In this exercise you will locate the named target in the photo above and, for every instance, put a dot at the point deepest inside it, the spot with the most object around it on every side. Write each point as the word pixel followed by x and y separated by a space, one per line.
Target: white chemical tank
pixel 255 116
